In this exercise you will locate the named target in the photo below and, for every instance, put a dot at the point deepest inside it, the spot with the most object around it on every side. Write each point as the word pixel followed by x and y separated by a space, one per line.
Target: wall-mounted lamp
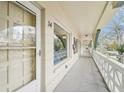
pixel 64 36
pixel 86 35
pixel 49 24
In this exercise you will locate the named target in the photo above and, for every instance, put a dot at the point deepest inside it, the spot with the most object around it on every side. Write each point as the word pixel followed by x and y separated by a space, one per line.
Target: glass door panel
pixel 17 47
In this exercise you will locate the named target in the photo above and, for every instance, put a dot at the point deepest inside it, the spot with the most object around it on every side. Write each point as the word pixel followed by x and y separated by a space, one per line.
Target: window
pixel 17 46
pixel 60 44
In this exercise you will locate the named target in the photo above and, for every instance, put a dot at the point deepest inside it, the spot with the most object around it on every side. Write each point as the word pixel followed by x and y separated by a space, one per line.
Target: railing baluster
pixel 111 70
pixel 122 86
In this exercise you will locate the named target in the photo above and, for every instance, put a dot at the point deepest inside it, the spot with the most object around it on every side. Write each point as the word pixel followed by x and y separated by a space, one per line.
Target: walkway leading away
pixel 83 77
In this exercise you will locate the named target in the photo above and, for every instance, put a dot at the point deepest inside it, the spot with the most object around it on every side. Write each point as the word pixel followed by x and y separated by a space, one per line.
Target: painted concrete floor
pixel 83 77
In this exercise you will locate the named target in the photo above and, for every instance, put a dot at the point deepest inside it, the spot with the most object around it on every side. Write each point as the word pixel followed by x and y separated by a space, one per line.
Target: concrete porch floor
pixel 83 77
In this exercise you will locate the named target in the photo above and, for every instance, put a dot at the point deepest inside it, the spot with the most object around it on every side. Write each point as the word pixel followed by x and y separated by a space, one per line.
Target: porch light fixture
pixel 49 24
pixel 86 35
pixel 64 37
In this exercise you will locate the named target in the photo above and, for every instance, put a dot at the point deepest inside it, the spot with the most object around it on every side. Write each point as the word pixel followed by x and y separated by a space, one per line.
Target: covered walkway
pixel 61 46
pixel 84 76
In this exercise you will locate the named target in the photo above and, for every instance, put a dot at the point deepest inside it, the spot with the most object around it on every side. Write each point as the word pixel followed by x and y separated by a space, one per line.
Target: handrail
pixel 113 62
pixel 112 71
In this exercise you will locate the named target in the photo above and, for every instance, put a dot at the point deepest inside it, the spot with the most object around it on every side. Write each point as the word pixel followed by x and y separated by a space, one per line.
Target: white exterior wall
pixel 54 74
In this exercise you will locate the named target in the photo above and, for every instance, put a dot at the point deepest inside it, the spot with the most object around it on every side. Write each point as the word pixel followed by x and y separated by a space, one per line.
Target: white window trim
pixel 69 55
pixel 34 85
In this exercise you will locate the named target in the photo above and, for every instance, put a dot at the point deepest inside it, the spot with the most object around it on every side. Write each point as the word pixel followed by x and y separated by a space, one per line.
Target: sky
pixel 108 31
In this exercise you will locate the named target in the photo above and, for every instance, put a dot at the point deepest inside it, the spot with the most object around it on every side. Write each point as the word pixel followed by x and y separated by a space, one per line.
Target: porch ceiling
pixel 83 14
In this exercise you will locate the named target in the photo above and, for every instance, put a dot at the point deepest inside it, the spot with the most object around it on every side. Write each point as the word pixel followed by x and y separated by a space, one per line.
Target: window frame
pixel 69 54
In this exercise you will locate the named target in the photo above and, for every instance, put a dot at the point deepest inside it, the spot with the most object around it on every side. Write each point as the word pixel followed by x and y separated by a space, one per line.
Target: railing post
pixel 122 86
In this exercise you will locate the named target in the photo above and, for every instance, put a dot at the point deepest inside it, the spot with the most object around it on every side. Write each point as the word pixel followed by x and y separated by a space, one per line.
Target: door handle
pixel 39 53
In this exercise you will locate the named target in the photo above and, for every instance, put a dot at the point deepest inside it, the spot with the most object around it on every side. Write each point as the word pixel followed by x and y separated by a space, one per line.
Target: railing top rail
pixel 117 65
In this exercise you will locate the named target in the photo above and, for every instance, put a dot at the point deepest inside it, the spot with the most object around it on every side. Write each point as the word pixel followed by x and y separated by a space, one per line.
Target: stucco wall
pixel 54 74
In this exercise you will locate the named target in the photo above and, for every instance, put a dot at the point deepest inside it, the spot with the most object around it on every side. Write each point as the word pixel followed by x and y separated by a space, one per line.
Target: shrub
pixel 120 49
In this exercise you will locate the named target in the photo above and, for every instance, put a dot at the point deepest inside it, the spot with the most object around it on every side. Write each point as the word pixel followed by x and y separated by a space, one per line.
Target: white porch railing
pixel 111 70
